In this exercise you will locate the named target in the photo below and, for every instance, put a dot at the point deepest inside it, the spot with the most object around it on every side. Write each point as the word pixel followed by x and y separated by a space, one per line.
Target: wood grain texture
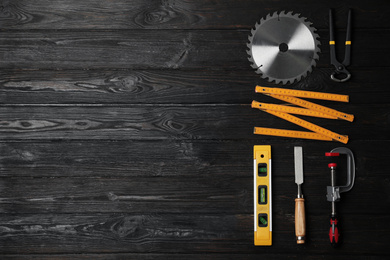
pixel 194 158
pixel 126 132
pixel 173 122
pixel 172 86
pixel 157 49
pixel 176 14
pixel 149 256
pixel 184 233
pixel 200 195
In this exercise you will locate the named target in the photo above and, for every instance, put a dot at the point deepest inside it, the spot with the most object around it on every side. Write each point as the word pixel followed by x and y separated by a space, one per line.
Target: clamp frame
pixel 333 192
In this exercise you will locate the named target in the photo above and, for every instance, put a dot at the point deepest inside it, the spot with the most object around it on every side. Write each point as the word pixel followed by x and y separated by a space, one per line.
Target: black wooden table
pixel 126 132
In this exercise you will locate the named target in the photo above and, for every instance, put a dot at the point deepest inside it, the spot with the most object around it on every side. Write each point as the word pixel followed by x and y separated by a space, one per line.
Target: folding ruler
pixel 306 108
pixel 262 195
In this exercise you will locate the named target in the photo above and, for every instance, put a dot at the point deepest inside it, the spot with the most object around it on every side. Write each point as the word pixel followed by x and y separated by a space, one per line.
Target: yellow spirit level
pixel 262 195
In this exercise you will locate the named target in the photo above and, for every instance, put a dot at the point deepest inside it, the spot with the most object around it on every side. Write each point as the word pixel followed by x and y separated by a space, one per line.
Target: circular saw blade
pixel 283 47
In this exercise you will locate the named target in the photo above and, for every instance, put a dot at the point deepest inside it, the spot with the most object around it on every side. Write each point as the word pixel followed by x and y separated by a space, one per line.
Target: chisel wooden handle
pixel 300 221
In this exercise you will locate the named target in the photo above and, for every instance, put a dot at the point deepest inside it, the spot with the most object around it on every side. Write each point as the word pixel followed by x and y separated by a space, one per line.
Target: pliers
pixel 341 72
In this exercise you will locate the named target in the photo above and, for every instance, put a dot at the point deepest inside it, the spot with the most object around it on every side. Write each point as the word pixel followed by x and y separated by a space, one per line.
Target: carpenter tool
pixel 283 47
pixel 341 74
pixel 262 195
pixel 300 220
pixel 333 191
pixel 306 108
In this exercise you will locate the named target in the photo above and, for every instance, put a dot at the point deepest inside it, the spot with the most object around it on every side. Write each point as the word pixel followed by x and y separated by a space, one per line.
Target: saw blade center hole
pixel 283 47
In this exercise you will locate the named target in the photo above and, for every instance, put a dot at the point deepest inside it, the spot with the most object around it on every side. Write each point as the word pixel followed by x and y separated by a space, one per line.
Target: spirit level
pixel 262 195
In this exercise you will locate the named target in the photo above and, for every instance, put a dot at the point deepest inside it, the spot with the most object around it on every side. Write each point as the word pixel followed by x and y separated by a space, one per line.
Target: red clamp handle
pixel 330 165
pixel 334 233
pixel 332 154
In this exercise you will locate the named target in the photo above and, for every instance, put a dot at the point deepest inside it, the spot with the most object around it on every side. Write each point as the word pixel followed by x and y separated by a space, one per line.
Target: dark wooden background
pixel 126 132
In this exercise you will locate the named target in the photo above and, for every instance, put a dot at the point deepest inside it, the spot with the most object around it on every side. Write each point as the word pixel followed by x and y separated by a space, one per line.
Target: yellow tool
pixel 315 107
pixel 309 109
pixel 291 110
pixel 262 195
pixel 302 93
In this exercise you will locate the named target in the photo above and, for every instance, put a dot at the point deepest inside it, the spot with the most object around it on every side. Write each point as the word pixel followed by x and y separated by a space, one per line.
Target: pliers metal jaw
pixel 341 74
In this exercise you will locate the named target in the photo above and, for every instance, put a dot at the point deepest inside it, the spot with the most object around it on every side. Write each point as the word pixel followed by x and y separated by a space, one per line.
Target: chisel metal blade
pixel 298 159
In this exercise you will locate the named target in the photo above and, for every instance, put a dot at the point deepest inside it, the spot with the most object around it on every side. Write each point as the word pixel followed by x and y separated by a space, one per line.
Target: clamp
pixel 333 191
pixel 341 74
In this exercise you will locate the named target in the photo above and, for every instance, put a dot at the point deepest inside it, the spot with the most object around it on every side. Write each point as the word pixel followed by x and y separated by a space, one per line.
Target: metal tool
pixel 333 191
pixel 300 220
pixel 283 47
pixel 341 74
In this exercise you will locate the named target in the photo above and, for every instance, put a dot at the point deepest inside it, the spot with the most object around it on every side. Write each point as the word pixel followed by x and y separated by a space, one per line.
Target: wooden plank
pixel 205 194
pixel 194 158
pixel 154 49
pixel 126 87
pixel 172 86
pixel 125 159
pixel 179 256
pixel 153 122
pixel 120 14
pixel 183 233
pixel 126 132
pixel 120 49
pixel 118 195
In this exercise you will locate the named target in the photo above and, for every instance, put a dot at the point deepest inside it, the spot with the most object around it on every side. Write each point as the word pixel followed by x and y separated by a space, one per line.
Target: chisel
pixel 300 222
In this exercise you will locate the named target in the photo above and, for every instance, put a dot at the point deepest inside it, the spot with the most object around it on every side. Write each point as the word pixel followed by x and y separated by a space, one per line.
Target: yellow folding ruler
pixel 306 108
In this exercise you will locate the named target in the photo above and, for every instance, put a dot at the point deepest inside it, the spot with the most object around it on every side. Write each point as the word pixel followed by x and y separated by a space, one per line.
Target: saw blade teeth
pixel 291 81
pixel 253 65
pixel 256 37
